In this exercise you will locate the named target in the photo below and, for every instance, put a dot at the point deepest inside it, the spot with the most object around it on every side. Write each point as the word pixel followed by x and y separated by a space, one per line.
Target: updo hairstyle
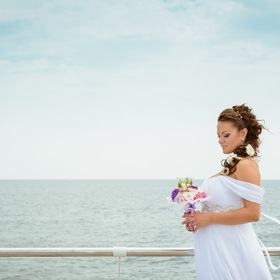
pixel 241 116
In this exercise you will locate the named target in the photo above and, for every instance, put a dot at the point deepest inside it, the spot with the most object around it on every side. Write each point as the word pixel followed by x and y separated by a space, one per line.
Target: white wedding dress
pixel 229 252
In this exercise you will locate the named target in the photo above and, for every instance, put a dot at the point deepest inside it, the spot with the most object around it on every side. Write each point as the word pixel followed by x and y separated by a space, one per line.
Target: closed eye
pixel 224 135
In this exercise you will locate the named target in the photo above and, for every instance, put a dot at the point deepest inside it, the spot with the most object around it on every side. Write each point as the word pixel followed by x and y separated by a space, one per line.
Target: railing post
pixel 119 270
pixel 119 252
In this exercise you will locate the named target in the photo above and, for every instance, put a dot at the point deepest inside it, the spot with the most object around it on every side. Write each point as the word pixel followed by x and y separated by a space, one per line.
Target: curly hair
pixel 241 116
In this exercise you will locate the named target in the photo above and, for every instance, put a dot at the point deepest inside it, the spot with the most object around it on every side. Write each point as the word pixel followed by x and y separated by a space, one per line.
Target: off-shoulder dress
pixel 229 252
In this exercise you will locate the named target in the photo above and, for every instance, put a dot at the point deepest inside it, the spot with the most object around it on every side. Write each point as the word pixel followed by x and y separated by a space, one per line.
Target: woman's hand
pixel 196 220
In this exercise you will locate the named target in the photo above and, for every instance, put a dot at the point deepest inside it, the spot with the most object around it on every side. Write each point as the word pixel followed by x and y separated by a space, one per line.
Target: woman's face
pixel 229 136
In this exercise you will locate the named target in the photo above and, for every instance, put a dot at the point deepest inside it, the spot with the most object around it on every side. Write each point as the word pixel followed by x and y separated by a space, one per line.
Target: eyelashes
pixel 225 136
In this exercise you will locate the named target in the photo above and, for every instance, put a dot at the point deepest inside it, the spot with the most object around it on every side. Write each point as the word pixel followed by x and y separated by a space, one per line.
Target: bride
pixel 226 246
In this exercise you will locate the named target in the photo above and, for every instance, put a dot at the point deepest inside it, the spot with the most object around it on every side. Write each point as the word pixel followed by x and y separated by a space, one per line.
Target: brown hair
pixel 241 116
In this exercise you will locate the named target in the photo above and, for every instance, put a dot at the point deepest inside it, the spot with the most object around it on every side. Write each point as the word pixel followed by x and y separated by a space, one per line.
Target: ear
pixel 243 132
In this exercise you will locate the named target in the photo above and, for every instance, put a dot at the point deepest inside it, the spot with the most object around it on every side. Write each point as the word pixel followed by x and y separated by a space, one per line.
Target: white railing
pixel 118 252
pixel 107 252
pixel 95 252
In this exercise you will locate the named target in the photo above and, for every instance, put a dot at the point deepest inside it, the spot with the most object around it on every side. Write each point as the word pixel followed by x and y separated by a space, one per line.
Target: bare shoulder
pixel 248 171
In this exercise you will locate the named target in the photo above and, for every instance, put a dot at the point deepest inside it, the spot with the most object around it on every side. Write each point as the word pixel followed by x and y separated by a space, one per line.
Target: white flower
pixel 230 157
pixel 250 150
pixel 199 189
pixel 184 186
pixel 189 181
pixel 189 195
pixel 225 171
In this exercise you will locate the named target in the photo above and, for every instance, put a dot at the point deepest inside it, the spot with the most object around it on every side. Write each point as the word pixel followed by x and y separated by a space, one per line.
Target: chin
pixel 225 151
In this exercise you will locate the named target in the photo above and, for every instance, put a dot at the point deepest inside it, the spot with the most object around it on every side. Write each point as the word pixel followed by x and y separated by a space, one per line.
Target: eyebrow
pixel 226 131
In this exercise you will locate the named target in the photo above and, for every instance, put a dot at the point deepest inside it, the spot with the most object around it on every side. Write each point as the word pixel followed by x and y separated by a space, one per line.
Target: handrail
pixel 107 252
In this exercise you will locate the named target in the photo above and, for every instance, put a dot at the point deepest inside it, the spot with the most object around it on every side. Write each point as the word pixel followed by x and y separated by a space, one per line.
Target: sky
pixel 132 89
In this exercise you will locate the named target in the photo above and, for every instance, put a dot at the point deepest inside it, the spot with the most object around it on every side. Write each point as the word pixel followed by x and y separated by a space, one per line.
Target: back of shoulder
pixel 247 170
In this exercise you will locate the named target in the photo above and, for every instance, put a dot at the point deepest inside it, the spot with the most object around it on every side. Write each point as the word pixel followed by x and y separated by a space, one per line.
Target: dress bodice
pixel 226 193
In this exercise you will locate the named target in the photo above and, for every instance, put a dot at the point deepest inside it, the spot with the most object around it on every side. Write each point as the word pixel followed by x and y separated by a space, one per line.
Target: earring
pixel 242 141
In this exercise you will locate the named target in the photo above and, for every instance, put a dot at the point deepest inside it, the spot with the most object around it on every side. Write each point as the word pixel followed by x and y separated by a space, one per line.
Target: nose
pixel 220 140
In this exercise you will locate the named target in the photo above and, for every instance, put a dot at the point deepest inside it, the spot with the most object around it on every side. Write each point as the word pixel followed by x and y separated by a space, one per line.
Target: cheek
pixel 236 142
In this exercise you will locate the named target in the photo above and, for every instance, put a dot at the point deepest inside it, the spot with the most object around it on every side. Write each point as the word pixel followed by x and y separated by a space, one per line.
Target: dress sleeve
pixel 245 190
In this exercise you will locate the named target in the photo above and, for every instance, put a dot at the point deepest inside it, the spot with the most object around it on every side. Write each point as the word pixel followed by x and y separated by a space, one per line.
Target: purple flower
pixel 174 193
pixel 191 208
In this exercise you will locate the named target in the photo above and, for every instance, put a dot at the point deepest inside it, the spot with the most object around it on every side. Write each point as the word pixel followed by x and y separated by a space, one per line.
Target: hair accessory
pixel 230 158
pixel 250 150
pixel 224 171
pixel 238 114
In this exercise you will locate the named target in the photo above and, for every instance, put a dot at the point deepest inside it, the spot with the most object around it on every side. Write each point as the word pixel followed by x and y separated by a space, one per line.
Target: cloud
pixel 114 32
pixel 128 87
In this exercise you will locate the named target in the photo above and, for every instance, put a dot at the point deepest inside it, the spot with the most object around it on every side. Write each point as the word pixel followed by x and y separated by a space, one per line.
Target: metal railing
pixel 118 252
pixel 107 252
pixel 96 252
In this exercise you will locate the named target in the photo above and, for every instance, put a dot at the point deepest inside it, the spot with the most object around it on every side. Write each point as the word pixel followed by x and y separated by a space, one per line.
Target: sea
pixel 105 213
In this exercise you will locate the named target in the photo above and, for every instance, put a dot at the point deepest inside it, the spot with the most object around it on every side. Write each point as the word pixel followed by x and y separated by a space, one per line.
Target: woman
pixel 226 246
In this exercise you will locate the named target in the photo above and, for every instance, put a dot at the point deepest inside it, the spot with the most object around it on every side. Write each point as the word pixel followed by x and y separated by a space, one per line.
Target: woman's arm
pixel 247 171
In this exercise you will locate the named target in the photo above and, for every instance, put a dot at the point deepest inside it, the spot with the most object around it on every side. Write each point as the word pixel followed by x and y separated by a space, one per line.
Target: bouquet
pixel 187 195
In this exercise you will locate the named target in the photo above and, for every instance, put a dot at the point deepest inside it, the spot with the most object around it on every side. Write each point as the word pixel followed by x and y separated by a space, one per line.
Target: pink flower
pixel 200 195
